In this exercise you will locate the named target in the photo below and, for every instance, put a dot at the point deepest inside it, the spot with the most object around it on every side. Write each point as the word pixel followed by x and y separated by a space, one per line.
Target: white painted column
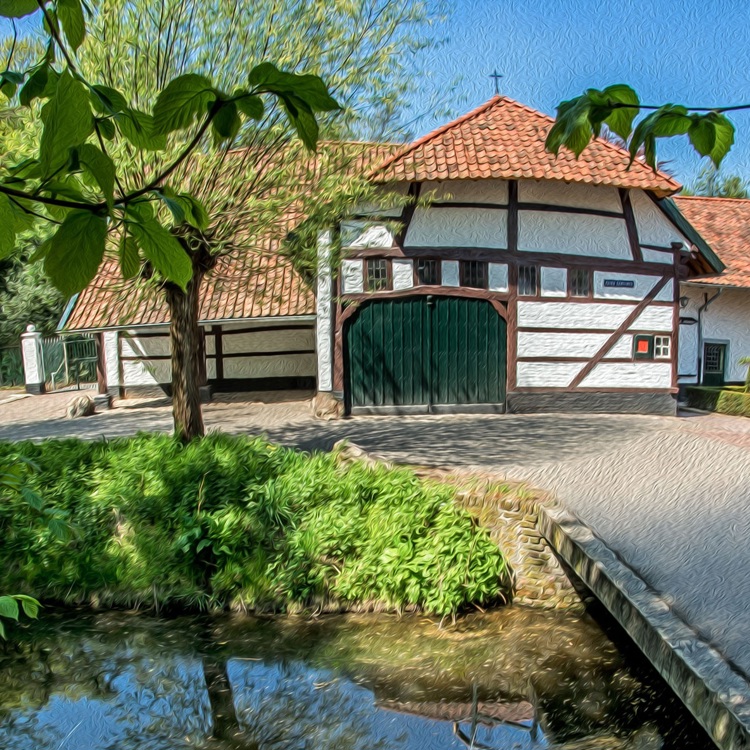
pixel 324 313
pixel 33 360
pixel 111 344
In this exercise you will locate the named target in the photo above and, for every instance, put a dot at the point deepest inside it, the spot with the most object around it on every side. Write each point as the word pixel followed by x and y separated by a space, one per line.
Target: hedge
pixel 721 400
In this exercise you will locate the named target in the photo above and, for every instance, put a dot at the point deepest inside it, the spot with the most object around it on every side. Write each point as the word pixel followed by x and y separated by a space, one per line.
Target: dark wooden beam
pixel 627 210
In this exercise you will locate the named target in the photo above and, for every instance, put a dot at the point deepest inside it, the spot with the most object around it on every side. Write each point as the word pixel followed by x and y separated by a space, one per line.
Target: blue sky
pixel 688 52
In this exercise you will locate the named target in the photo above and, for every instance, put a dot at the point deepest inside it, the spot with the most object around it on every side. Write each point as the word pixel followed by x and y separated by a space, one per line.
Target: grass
pixel 728 400
pixel 234 522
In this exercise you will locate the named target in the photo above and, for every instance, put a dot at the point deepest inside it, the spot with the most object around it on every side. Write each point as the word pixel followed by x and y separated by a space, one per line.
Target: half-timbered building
pixel 508 279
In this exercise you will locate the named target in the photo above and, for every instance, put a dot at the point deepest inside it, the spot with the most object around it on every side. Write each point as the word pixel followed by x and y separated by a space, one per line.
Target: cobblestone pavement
pixel 670 495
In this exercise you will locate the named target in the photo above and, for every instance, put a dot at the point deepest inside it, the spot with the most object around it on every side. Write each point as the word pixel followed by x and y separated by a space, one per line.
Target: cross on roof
pixel 497 76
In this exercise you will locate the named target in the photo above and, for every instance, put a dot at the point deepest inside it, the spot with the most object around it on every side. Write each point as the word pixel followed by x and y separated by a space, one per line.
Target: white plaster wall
pixel 546 374
pixel 449 272
pixel 643 285
pixel 623 348
pixel 556 193
pixel 352 276
pixel 324 314
pixel 656 256
pixel 403 273
pixel 629 375
pixel 145 347
pixel 268 341
pixel 563 344
pixel 112 358
pixel 146 372
pixel 726 319
pixel 359 234
pixel 465 191
pixel 572 315
pixel 574 234
pixel 687 366
pixel 293 365
pixel 386 207
pixel 498 277
pixel 458 227
pixel 654 318
pixel 654 228
pixel 553 282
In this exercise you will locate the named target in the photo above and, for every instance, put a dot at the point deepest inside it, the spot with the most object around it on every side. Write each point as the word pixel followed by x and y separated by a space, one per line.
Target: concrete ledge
pixel 426 409
pixel 715 693
pixel 593 402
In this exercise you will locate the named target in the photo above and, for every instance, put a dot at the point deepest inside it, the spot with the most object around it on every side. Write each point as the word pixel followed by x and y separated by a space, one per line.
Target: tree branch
pixel 55 34
pixel 50 201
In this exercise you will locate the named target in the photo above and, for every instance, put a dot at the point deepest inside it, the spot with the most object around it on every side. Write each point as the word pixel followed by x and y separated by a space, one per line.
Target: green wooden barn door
pixel 426 351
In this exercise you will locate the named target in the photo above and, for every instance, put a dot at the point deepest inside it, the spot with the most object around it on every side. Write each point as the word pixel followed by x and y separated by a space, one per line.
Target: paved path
pixel 670 495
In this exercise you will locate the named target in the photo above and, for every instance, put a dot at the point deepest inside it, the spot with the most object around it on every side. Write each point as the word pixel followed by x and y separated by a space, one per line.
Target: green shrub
pixel 732 401
pixel 238 522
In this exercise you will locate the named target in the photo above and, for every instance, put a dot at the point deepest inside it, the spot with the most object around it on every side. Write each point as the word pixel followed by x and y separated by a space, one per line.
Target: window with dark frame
pixel 474 274
pixel 428 272
pixel 527 281
pixel 376 275
pixel 579 282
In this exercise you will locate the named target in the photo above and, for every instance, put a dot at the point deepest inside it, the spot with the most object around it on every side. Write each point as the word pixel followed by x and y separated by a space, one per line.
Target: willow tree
pixel 259 176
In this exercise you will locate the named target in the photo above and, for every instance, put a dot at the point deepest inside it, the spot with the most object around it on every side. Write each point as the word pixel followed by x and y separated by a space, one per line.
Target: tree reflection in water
pixel 127 682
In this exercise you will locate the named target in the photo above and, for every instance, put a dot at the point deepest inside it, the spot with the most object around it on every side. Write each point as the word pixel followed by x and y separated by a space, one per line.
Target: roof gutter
pixel 672 212
pixel 281 319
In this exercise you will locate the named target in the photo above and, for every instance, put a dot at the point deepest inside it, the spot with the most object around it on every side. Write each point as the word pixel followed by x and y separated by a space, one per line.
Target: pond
pixel 512 678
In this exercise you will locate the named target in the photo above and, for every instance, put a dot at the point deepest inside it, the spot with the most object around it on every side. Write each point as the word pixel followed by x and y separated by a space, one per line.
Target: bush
pixel 722 400
pixel 238 522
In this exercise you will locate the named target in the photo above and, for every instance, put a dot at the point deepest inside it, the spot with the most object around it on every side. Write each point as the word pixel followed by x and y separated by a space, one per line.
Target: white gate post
pixel 33 360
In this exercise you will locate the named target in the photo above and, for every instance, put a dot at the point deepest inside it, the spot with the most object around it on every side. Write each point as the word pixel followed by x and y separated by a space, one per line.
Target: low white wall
pixel 458 227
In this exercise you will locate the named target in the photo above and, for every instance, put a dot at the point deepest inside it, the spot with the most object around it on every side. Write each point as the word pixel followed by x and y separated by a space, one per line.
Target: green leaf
pixel 35 86
pixel 723 135
pixel 108 101
pixel 70 14
pixel 702 134
pixel 106 128
pixel 620 120
pixel 138 128
pixel 226 122
pixel 59 529
pixel 250 105
pixel 8 607
pixel 2 630
pixel 29 605
pixel 32 498
pixel 303 120
pixel 572 127
pixel 308 88
pixel 76 251
pixel 163 250
pixel 181 100
pixel 101 168
pixel 17 8
pixel 130 263
pixel 7 227
pixel 184 208
pixel 67 122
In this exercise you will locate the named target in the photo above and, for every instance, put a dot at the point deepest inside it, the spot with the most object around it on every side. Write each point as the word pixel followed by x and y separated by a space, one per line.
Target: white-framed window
pixel 662 347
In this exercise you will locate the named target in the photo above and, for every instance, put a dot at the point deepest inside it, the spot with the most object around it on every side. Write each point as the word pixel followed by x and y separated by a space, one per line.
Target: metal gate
pixel 425 352
pixel 69 361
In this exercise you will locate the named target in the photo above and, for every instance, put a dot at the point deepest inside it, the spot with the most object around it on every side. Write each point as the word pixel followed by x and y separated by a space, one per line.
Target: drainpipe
pixel 707 301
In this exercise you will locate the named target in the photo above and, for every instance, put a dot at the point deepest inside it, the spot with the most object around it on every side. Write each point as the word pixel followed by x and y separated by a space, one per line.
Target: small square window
pixel 579 282
pixel 376 275
pixel 474 274
pixel 527 281
pixel 643 347
pixel 428 272
pixel 662 347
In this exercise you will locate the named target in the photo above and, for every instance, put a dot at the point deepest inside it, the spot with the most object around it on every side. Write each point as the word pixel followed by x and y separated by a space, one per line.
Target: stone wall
pixel 511 513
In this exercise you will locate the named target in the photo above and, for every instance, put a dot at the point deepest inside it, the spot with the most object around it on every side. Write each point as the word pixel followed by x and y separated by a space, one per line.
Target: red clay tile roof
pixel 260 283
pixel 503 139
pixel 725 224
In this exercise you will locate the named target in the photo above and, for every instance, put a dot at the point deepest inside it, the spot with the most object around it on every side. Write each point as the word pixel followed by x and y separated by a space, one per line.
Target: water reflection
pixel 510 679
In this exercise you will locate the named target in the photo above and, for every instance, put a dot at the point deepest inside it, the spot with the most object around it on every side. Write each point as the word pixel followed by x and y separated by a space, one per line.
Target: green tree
pixel 87 129
pixel 712 183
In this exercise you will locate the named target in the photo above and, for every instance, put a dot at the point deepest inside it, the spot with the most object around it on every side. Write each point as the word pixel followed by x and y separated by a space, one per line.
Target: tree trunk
pixel 185 338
